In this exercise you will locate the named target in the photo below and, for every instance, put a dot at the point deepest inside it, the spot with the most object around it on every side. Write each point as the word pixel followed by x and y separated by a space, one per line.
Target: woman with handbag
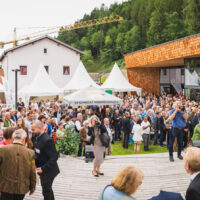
pixel 95 130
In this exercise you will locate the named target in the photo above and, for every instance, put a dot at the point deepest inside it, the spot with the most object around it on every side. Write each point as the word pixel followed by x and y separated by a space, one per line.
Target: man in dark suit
pixel 117 124
pixel 46 159
pixel 58 114
pixel 14 116
pixel 17 168
pixel 161 127
pixel 192 166
pixel 127 129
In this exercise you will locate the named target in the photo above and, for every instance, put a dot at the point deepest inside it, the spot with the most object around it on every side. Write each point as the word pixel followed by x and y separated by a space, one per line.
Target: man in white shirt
pixel 28 122
pixel 110 133
pixel 34 105
pixel 78 126
pixel 146 133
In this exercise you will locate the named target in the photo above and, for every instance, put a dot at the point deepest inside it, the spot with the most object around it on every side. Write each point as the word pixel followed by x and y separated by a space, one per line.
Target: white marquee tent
pixel 42 85
pixel 80 80
pixel 91 96
pixel 118 83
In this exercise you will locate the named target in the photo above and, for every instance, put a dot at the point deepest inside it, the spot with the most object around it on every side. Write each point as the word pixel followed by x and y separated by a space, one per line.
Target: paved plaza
pixel 76 182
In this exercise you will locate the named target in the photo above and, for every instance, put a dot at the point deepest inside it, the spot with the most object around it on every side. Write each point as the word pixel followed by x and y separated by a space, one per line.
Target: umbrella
pixel 91 96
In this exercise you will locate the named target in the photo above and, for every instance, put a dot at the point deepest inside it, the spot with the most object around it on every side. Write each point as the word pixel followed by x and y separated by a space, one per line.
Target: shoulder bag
pixel 105 139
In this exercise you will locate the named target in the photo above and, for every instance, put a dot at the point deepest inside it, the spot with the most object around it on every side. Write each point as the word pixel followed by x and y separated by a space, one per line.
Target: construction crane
pixel 59 29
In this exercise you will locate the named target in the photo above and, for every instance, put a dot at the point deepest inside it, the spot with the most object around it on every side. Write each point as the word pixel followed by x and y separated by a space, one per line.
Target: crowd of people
pixel 166 120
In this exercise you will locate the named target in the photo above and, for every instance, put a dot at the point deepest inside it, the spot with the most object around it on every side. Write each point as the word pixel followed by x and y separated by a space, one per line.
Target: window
pixel 66 70
pixel 164 72
pixel 183 72
pixel 23 70
pixel 46 68
pixel 45 50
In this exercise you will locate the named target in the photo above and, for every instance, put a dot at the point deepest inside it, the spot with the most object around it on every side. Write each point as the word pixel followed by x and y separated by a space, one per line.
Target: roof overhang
pixel 38 39
pixel 168 54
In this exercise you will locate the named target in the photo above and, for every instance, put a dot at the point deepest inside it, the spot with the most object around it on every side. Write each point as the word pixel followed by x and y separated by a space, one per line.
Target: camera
pixel 97 123
pixel 182 108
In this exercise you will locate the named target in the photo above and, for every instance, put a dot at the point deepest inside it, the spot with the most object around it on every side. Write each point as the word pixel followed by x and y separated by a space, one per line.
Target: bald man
pixel 46 159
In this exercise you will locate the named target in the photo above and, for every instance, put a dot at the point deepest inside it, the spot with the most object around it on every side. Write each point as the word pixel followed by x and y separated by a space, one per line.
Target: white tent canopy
pixel 91 96
pixel 80 80
pixel 42 85
pixel 118 83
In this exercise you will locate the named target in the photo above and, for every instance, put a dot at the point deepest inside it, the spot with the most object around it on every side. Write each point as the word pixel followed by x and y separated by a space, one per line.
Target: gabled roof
pixel 36 40
pixel 118 83
pixel 80 80
pixel 42 85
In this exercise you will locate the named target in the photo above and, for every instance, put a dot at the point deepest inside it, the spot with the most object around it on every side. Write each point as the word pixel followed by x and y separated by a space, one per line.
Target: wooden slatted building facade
pixel 162 67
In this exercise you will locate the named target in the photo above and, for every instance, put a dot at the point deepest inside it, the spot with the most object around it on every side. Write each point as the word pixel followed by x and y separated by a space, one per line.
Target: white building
pixel 59 59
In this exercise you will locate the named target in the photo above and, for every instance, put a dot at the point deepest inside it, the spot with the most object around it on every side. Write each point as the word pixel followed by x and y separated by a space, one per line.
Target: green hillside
pixel 146 23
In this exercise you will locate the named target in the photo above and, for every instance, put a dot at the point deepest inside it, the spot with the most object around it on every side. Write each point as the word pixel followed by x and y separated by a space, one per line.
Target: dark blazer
pixel 14 118
pixel 56 114
pixel 193 191
pixel 117 120
pixel 161 123
pixel 91 132
pixel 126 125
pixel 195 120
pixel 46 155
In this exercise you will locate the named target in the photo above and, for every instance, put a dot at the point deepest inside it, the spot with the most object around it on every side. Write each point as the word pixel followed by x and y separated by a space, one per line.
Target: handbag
pixel 196 143
pixel 105 139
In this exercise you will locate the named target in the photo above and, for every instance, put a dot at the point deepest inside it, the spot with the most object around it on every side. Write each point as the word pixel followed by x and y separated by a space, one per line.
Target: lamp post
pixel 16 82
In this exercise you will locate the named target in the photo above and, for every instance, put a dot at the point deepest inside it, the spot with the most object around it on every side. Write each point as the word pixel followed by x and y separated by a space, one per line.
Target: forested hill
pixel 146 23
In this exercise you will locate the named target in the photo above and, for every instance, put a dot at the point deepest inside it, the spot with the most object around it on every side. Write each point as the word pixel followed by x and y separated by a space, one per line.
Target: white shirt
pixel 109 131
pixel 138 132
pixel 193 176
pixel 147 130
pixel 35 105
pixel 78 125
pixel 28 126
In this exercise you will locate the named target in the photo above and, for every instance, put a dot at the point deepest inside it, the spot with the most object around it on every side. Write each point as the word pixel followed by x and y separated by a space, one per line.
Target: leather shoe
pixel 171 159
pixel 96 175
pixel 100 173
pixel 180 157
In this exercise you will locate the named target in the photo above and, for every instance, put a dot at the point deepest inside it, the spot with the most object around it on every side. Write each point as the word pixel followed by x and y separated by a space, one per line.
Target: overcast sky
pixel 38 13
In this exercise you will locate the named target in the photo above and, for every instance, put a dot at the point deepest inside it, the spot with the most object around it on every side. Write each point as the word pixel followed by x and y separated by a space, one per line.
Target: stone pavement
pixel 76 182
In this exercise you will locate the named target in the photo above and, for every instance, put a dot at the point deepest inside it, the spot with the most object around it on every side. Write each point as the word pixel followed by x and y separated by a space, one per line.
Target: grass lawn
pixel 117 149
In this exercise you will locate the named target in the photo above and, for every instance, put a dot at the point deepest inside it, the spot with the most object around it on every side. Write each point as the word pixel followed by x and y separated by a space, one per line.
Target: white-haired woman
pixel 94 131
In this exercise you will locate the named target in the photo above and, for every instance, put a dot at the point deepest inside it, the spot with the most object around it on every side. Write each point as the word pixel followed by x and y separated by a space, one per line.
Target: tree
pixel 174 28
pixel 84 43
pixel 192 16
pixel 146 23
pixel 97 42
pixel 154 34
pixel 132 40
pixel 120 44
pixel 108 42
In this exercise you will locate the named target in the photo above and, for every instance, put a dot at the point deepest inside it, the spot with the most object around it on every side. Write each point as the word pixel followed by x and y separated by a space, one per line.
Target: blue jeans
pixel 155 138
pixel 179 134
